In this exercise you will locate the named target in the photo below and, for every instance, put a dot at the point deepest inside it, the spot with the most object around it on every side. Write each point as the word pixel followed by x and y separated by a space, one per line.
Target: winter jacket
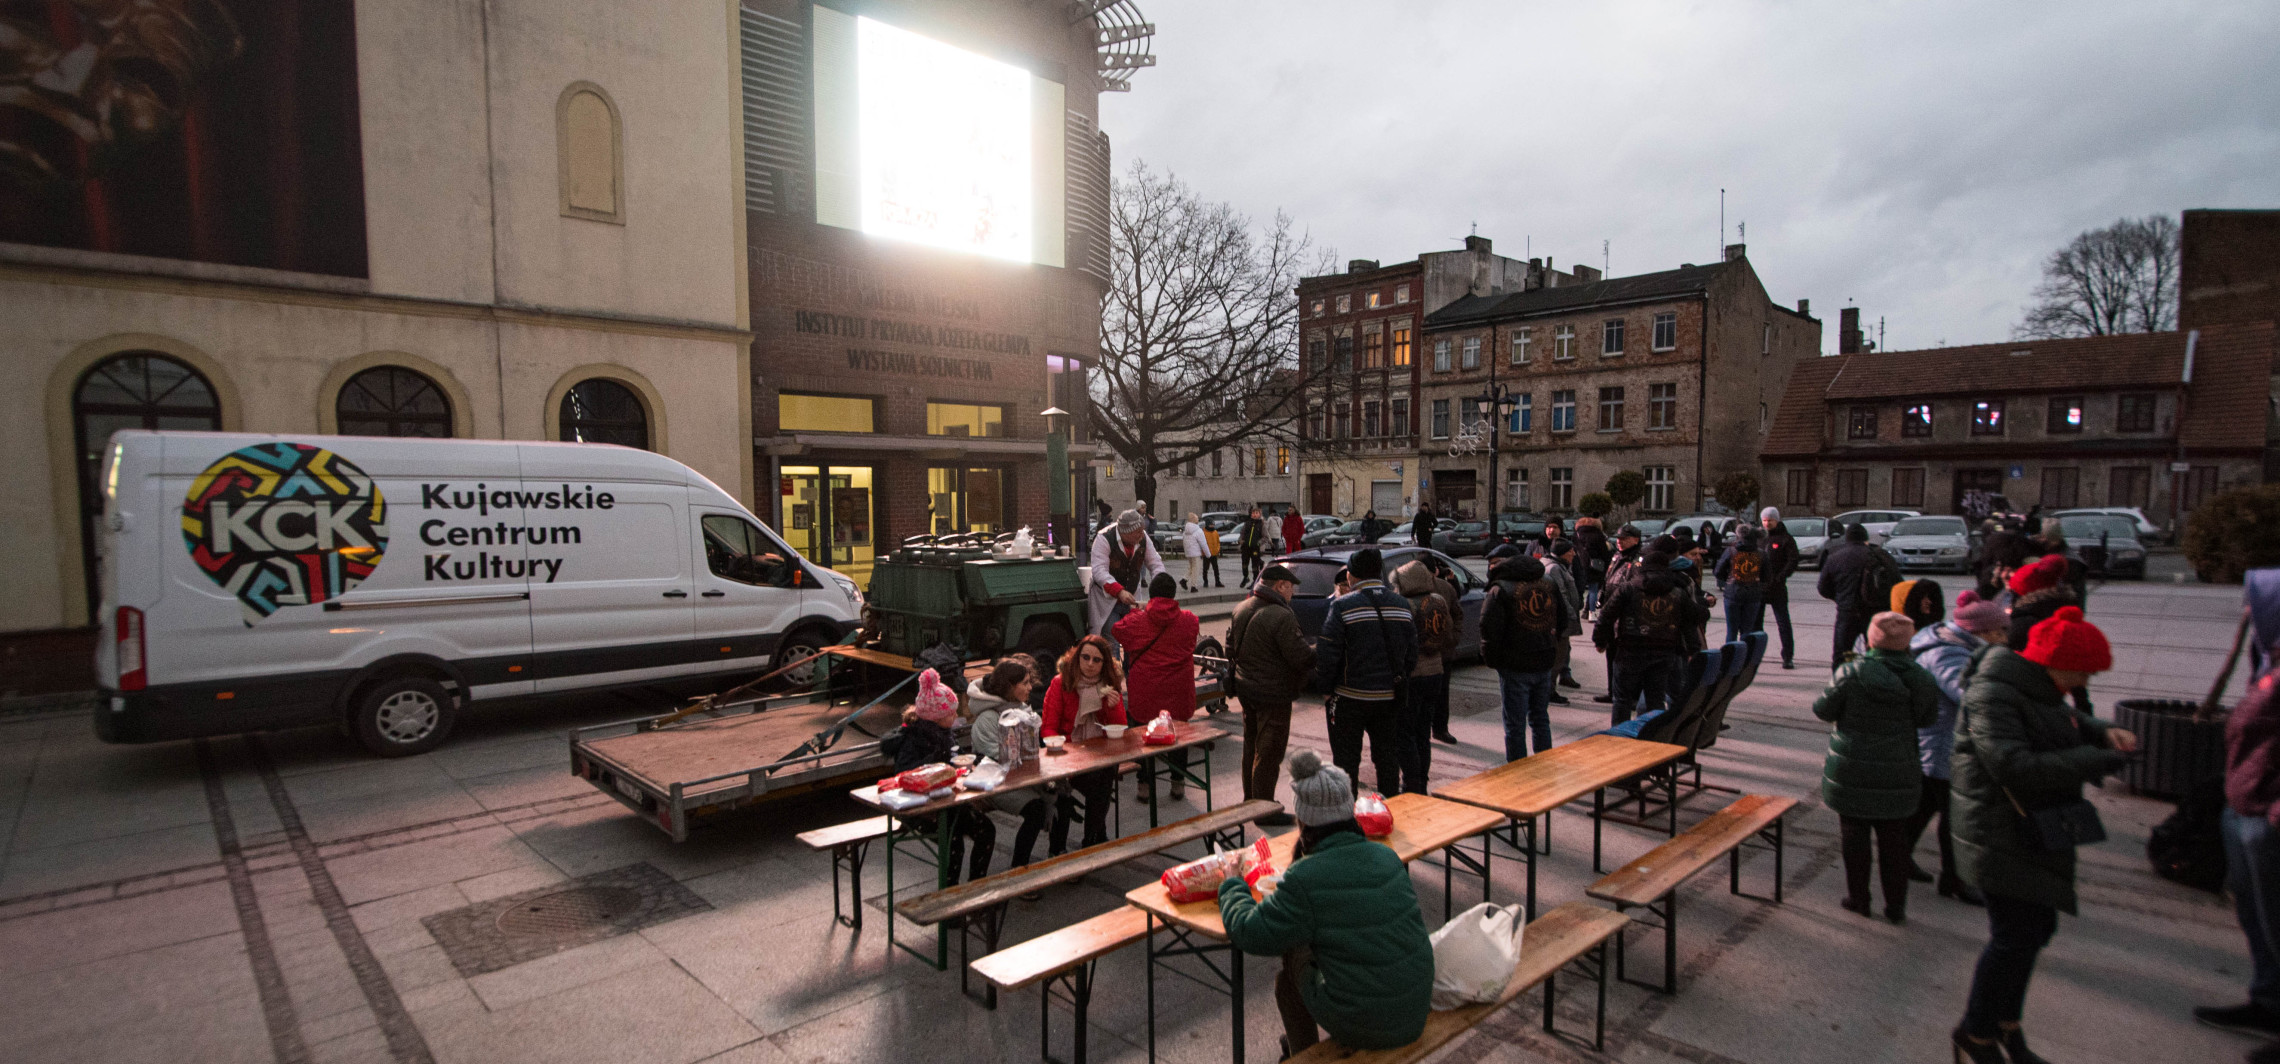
pixel 1522 620
pixel 1944 650
pixel 1270 654
pixel 2034 608
pixel 988 711
pixel 1192 542
pixel 2017 738
pixel 920 742
pixel 1436 629
pixel 1593 551
pixel 1622 568
pixel 2252 752
pixel 1780 562
pixel 1876 702
pixel 1159 660
pixel 1293 530
pixel 1254 537
pixel 1658 614
pixel 1350 902
pixel 1742 569
pixel 1850 572
pixel 1422 526
pixel 1062 705
pixel 1571 600
pixel 1368 643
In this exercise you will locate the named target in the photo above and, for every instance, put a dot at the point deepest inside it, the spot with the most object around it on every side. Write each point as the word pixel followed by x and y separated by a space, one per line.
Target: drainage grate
pixel 504 932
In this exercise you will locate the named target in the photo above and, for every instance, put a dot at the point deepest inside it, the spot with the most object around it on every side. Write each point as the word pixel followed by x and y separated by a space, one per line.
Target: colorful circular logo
pixel 284 524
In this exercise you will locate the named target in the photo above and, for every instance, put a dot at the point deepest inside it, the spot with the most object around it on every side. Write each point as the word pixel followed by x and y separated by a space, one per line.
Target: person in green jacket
pixel 1872 780
pixel 2019 746
pixel 1345 921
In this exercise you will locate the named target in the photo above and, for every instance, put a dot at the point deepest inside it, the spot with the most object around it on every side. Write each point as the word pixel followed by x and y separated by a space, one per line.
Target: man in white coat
pixel 1124 559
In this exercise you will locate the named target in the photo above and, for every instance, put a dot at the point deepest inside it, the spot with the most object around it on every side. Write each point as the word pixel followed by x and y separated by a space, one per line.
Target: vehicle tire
pixel 799 644
pixel 1045 641
pixel 398 716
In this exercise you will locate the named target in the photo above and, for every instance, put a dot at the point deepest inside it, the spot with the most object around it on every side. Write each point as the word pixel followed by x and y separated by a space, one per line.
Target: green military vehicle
pixel 954 591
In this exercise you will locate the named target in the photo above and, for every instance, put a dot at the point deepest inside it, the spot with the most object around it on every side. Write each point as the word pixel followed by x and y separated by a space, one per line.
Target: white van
pixel 253 582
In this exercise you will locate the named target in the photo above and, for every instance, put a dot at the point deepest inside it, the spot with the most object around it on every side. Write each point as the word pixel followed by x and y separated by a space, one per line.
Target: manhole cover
pixel 571 911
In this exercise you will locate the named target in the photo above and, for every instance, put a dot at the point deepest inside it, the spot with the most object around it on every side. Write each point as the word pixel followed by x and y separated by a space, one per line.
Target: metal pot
pixel 2174 750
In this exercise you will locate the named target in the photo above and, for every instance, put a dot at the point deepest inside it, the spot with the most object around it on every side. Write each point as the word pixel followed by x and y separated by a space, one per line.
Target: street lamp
pixel 1498 401
pixel 1060 513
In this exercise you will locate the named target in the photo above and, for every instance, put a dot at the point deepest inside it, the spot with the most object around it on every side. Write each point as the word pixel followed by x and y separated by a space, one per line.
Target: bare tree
pixel 1198 338
pixel 2119 279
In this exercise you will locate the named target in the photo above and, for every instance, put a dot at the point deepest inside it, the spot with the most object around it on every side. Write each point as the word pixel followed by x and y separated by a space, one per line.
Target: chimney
pixel 1586 274
pixel 1360 265
pixel 1477 243
pixel 1805 307
pixel 1736 251
pixel 1848 331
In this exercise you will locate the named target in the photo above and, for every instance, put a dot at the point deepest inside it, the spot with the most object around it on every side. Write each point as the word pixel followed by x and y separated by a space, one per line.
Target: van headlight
pixel 847 587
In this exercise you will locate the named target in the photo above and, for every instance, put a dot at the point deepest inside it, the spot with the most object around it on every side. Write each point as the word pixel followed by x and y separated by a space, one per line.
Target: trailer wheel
pixel 403 715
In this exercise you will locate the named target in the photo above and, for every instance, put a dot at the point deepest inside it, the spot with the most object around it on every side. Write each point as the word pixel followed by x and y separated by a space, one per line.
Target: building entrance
pixel 1967 481
pixel 965 500
pixel 827 517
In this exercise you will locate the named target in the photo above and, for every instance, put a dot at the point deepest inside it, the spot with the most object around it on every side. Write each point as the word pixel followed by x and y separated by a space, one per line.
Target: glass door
pixel 965 500
pixel 828 517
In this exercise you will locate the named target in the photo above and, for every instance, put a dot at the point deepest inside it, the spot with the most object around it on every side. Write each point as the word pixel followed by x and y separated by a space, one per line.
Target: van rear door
pixel 610 596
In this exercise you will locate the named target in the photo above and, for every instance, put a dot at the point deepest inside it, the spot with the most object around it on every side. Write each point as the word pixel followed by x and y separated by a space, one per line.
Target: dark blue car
pixel 1317 570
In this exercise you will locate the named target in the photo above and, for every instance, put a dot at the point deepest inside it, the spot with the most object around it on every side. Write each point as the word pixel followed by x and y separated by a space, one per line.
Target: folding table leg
pixel 1598 811
pixel 1151 942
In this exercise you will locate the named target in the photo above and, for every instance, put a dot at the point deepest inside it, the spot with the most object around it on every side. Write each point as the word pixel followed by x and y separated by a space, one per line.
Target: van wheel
pixel 403 715
pixel 800 644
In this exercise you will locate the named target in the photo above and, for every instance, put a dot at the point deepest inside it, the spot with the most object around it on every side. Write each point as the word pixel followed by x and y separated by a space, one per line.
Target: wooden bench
pixel 1553 941
pixel 1065 957
pixel 849 844
pixel 979 905
pixel 1651 882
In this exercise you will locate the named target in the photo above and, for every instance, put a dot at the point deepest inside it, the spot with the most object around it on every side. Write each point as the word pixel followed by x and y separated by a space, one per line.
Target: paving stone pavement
pixel 245 900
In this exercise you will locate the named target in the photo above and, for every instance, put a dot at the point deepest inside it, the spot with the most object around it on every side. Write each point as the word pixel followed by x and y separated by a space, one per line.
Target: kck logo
pixel 284 524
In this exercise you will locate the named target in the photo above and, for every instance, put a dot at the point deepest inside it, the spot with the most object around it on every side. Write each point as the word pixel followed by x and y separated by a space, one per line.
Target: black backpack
pixel 1878 579
pixel 2187 847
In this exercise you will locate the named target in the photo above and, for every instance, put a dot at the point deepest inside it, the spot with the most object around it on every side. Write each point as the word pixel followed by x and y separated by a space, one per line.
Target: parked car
pixel 1724 523
pixel 2147 531
pixel 1879 522
pixel 1812 534
pixel 2107 543
pixel 1317 569
pixel 1518 525
pixel 1403 535
pixel 1334 535
pixel 1463 539
pixel 1931 544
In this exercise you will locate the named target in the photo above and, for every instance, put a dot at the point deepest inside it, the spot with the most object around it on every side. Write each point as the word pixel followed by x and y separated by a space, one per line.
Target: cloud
pixel 1919 158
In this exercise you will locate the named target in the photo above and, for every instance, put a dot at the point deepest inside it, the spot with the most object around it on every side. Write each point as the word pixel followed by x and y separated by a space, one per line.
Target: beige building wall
pixel 479 276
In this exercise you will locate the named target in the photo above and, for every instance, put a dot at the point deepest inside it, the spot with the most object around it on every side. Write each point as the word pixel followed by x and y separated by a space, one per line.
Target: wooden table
pixel 1041 770
pixel 1421 825
pixel 1535 785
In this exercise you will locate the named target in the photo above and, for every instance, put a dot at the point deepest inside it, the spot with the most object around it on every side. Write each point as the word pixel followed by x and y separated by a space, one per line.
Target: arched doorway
pixel 392 401
pixel 132 390
pixel 600 410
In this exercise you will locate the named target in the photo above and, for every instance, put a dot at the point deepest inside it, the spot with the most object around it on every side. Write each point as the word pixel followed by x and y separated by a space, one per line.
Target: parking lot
pixel 150 894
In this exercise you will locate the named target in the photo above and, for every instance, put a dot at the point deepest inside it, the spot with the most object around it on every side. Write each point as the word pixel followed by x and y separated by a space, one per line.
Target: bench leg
pixel 1598 816
pixel 1529 852
pixel 988 923
pixel 1599 1026
pixel 1670 942
pixel 1079 983
pixel 849 855
pixel 1151 942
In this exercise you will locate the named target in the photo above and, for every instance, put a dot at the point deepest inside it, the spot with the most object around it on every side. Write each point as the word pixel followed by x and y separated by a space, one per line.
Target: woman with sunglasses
pixel 1087 692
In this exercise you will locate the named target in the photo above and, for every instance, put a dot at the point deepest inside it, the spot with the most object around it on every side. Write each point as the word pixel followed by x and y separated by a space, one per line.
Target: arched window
pixel 592 163
pixel 392 401
pixel 600 410
pixel 134 390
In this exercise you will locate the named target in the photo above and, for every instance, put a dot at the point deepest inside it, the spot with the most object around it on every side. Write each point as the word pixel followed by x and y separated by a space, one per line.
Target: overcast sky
pixel 1918 159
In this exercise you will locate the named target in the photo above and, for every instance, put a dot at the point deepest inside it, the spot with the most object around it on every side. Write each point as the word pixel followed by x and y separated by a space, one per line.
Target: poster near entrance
pixel 965 500
pixel 827 516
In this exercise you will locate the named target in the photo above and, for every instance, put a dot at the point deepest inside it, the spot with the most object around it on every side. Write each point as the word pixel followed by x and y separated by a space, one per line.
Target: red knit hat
pixel 2047 571
pixel 2068 643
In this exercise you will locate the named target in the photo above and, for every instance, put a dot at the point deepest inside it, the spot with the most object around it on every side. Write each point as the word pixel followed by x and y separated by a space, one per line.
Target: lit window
pixel 1860 424
pixel 1563 343
pixel 1282 461
pixel 1986 420
pixel 1316 308
pixel 1472 352
pixel 1916 420
pixel 824 413
pixel 1373 301
pixel 2065 415
pixel 965 419
pixel 1666 331
pixel 1563 410
pixel 1401 347
pixel 1611 337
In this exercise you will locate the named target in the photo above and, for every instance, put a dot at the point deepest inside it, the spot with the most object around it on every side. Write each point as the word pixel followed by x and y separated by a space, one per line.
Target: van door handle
pixel 715 594
pixel 676 594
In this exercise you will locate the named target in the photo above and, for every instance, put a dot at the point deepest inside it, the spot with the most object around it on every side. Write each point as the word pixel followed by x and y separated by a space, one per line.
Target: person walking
pixel 1872 778
pixel 1271 661
pixel 1293 531
pixel 1428 683
pixel 1741 575
pixel 2018 747
pixel 1855 577
pixel 1945 650
pixel 1364 656
pixel 1645 631
pixel 1423 524
pixel 1087 692
pixel 1559 568
pixel 1252 544
pixel 1124 558
pixel 1192 545
pixel 1520 625
pixel 2252 860
pixel 1345 920
pixel 1781 560
pixel 1159 661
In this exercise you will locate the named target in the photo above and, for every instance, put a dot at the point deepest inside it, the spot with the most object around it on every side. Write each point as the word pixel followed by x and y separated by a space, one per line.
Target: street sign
pixel 2180 467
pixel 2018 472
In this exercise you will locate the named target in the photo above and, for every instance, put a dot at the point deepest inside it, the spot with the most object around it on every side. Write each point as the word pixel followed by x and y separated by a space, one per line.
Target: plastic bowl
pixel 1053 742
pixel 1115 731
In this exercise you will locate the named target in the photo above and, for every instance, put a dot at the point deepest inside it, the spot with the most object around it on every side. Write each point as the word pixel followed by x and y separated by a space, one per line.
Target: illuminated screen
pixel 920 141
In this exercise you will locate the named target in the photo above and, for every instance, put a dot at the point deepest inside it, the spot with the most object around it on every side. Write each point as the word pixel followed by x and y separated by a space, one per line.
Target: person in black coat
pixel 1781 559
pixel 1422 526
pixel 1842 574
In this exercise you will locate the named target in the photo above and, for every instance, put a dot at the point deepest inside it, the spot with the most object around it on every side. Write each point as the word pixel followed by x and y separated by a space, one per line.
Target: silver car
pixel 1879 522
pixel 1812 535
pixel 1931 544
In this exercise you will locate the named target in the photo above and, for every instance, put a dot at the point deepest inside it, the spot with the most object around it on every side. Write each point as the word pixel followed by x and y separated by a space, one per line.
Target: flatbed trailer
pixel 677 769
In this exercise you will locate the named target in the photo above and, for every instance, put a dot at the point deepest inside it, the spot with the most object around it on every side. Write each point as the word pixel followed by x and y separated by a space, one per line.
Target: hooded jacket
pixel 1522 622
pixel 1351 903
pixel 1876 703
pixel 1561 576
pixel 2016 738
pixel 1270 653
pixel 1159 660
pixel 1945 651
pixel 1293 530
pixel 1655 615
pixel 1436 630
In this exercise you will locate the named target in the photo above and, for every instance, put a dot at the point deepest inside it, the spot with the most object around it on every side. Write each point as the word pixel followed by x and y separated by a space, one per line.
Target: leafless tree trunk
pixel 2119 279
pixel 1199 335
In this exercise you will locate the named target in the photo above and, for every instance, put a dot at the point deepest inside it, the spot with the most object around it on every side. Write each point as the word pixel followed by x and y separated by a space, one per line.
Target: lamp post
pixel 1058 497
pixel 1498 401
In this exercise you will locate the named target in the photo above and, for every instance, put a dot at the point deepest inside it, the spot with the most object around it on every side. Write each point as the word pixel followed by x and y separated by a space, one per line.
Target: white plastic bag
pixel 985 776
pixel 1474 954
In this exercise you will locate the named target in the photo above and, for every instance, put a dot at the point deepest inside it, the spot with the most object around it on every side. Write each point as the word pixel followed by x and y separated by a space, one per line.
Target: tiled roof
pixel 2090 363
pixel 1804 408
pixel 1686 280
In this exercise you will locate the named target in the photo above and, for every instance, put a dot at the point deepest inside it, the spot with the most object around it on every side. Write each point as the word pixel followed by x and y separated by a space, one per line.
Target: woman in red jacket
pixel 1159 656
pixel 1087 692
